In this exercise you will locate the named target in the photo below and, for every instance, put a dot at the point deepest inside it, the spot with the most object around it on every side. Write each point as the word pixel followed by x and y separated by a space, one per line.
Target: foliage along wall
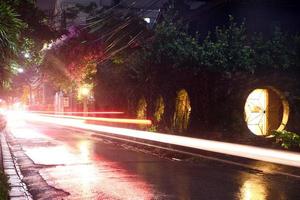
pixel 217 73
pixel 217 99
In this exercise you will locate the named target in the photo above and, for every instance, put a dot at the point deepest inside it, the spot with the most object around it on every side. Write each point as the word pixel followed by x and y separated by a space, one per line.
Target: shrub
pixel 4 186
pixel 152 128
pixel 287 140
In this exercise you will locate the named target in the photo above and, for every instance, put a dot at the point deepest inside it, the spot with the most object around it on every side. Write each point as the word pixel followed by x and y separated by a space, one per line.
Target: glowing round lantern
pixel 266 109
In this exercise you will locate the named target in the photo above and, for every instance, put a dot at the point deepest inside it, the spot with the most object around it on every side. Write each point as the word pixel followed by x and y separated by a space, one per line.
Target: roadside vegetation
pixel 22 36
pixel 215 70
pixel 23 31
pixel 287 140
pixel 184 82
pixel 215 73
pixel 10 29
pixel 4 186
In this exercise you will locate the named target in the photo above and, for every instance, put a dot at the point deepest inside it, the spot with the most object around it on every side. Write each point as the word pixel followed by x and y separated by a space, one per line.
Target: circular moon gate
pixel 266 109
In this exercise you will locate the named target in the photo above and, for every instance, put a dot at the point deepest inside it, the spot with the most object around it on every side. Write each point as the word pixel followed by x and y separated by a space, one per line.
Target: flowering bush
pixel 72 60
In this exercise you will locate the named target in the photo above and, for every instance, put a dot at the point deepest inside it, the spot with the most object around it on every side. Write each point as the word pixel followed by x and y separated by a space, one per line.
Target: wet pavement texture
pixel 62 163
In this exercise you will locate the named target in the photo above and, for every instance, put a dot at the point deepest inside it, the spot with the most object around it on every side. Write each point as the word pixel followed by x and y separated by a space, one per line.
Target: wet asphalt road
pixel 61 163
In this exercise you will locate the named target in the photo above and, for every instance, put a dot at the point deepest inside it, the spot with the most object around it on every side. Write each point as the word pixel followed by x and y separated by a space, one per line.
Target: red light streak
pixel 257 153
pixel 113 120
pixel 61 113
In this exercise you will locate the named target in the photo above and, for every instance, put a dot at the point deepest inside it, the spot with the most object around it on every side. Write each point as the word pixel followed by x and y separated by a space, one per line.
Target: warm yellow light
pixel 71 112
pixel 104 119
pixel 253 189
pixel 266 110
pixel 84 151
pixel 84 90
pixel 256 111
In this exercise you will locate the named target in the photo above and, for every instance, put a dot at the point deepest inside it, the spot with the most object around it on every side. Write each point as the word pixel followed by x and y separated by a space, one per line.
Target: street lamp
pixel 20 70
pixel 147 19
pixel 26 55
pixel 84 92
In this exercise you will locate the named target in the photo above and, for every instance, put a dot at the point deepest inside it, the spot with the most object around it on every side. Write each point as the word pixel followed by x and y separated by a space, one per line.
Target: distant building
pixel 201 15
pixel 76 12
pixel 73 12
pixel 149 10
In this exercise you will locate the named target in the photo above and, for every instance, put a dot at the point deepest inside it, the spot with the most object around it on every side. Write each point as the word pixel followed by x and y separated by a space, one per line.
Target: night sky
pixel 45 4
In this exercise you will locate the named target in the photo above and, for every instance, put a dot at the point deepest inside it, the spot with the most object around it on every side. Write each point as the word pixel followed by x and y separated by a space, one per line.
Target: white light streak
pixel 257 153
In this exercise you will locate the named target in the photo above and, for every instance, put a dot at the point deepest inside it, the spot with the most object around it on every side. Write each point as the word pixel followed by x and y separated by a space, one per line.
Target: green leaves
pixel 228 49
pixel 4 186
pixel 232 49
pixel 287 140
pixel 10 29
pixel 279 52
pixel 173 46
pixel 23 31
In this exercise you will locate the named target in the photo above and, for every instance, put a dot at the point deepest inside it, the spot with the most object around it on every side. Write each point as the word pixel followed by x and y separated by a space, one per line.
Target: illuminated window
pixel 141 112
pixel 266 109
pixel 159 109
pixel 182 112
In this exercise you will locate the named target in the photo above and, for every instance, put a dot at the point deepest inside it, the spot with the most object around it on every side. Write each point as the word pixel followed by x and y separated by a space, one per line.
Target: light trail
pixel 61 113
pixel 102 119
pixel 256 153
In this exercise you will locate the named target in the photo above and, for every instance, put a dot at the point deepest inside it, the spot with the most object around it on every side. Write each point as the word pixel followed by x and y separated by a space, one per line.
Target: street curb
pixel 18 189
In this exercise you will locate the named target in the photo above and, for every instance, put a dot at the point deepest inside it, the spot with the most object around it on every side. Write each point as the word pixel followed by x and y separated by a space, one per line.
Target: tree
pixel 229 49
pixel 10 29
pixel 23 35
pixel 233 49
pixel 37 28
pixel 170 50
pixel 215 70
pixel 106 35
pixel 72 60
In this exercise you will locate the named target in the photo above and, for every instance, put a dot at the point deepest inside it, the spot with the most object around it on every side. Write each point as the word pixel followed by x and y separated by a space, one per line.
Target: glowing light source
pixel 102 113
pixel 84 90
pixel 255 111
pixel 18 106
pixel 147 19
pixel 113 120
pixel 257 153
pixel 266 109
pixel 26 55
pixel 47 46
pixel 20 70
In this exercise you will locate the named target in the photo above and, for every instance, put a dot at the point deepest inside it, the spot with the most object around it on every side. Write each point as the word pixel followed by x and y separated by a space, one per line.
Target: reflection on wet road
pixel 88 168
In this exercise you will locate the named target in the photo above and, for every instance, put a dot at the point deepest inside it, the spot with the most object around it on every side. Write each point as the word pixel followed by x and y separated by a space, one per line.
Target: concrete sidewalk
pixel 18 189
